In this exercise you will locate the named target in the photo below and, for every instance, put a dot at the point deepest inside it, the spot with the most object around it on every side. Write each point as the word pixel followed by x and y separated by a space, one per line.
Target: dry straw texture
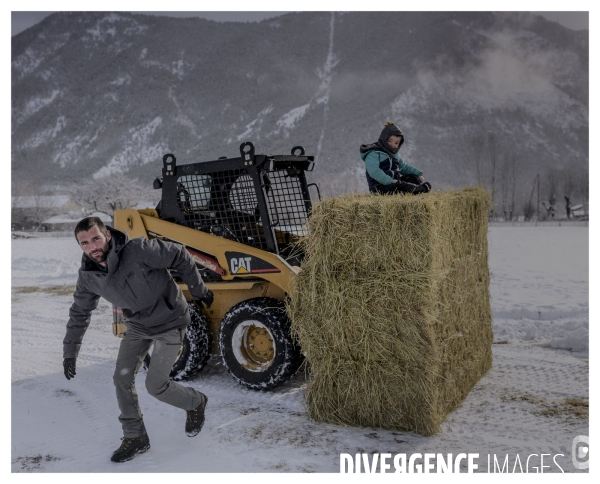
pixel 392 307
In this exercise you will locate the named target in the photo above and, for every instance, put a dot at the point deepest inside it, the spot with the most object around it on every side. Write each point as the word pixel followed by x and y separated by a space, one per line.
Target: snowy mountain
pixel 101 93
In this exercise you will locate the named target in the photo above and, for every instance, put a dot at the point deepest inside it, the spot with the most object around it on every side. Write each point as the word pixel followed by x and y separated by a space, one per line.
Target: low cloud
pixel 508 75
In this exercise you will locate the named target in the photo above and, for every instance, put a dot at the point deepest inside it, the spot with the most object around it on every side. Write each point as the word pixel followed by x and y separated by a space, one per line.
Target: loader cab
pixel 262 201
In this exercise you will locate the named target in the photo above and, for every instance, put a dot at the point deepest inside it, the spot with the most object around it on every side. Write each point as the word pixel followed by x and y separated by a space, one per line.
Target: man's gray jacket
pixel 139 283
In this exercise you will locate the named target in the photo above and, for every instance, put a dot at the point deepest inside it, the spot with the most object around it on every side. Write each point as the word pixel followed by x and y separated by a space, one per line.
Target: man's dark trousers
pixel 135 344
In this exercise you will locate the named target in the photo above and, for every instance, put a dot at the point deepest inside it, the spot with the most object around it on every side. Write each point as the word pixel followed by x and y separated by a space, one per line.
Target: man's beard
pixel 101 254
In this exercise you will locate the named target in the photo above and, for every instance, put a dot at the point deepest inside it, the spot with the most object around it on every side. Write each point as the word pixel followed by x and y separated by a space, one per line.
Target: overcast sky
pixel 23 20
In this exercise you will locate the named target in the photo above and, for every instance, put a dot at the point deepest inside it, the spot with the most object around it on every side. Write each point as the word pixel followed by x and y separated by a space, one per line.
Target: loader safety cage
pixel 259 200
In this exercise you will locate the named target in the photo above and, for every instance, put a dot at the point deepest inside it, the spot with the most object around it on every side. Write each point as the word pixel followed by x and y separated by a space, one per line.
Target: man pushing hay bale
pixel 392 307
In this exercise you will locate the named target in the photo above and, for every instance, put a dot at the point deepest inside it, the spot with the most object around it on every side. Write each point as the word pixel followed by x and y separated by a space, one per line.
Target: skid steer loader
pixel 240 219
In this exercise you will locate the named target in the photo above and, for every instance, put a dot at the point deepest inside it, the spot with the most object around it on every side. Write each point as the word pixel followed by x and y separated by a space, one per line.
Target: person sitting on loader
pixel 386 171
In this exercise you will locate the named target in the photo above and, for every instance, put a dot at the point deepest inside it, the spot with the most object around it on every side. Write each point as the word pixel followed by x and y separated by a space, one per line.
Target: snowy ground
pixel 526 404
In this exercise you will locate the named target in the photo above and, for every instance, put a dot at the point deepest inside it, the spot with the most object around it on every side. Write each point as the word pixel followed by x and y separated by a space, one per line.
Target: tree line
pixel 32 203
pixel 549 194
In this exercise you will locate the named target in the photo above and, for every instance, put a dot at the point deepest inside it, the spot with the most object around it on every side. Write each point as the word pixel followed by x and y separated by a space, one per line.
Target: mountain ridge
pixel 95 93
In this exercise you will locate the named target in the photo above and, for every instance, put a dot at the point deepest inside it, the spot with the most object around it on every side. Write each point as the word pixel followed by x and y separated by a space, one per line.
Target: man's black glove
pixel 69 366
pixel 423 188
pixel 208 298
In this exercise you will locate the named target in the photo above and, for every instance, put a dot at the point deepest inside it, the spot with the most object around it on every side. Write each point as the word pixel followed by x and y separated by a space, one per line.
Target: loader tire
pixel 256 344
pixel 195 350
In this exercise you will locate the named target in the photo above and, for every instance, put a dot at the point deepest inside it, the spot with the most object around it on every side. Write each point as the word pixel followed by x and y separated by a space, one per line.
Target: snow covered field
pixel 532 401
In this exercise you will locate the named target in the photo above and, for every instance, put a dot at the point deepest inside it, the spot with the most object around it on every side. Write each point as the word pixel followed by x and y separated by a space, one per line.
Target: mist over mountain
pixel 481 96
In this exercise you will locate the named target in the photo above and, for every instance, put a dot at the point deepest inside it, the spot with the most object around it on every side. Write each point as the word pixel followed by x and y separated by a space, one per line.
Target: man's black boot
pixel 130 447
pixel 195 418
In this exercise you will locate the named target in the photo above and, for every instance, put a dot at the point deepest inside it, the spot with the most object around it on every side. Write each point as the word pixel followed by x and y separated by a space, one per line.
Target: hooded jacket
pixel 390 129
pixel 138 282
pixel 381 167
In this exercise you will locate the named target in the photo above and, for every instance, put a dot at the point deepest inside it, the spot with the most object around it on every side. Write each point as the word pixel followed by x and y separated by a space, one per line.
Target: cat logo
pixel 240 265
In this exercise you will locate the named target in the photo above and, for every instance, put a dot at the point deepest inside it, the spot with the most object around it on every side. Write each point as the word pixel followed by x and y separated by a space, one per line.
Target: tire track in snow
pixel 523 381
pixel 80 419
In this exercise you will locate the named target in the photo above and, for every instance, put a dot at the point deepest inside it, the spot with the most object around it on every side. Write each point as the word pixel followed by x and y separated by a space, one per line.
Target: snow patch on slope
pixel 101 35
pixel 70 152
pixel 289 119
pixel 254 127
pixel 104 30
pixel 36 104
pixel 135 28
pixel 112 96
pixel 138 151
pixel 183 118
pixel 160 65
pixel 179 65
pixel 29 60
pixel 46 134
pixel 119 81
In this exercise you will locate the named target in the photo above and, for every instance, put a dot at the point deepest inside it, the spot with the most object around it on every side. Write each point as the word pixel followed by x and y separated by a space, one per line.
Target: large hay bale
pixel 392 307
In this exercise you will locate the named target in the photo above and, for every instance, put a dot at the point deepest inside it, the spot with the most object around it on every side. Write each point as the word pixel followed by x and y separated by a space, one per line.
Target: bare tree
pixel 550 188
pixel 493 162
pixel 31 203
pixel 568 206
pixel 582 186
pixel 528 210
pixel 479 147
pixel 110 193
pixel 17 216
pixel 568 186
pixel 508 183
pixel 550 208
pixel 44 206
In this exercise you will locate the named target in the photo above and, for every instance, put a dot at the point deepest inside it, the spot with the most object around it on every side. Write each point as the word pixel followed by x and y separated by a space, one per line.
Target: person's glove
pixel 208 298
pixel 423 188
pixel 414 179
pixel 69 366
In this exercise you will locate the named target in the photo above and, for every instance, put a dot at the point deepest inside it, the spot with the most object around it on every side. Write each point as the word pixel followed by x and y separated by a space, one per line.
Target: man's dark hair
pixel 87 223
